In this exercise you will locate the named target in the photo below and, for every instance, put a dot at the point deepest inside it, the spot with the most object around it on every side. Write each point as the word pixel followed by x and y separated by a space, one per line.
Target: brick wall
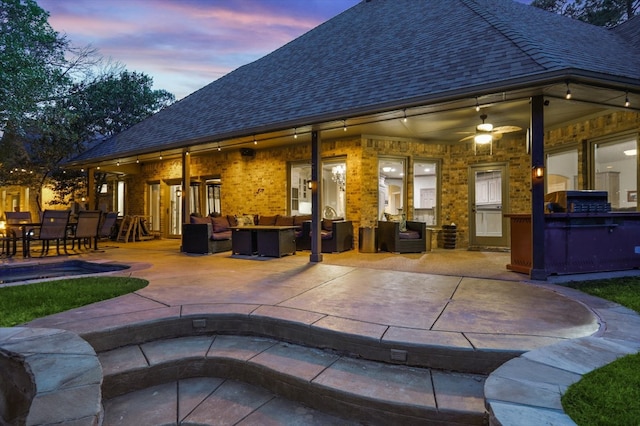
pixel 259 185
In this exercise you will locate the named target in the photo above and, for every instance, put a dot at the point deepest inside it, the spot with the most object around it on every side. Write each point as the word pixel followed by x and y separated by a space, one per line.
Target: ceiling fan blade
pixel 468 137
pixel 496 136
pixel 506 129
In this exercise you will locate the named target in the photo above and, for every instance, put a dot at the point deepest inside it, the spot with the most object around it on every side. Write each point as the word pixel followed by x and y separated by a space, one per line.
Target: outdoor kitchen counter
pixel 578 242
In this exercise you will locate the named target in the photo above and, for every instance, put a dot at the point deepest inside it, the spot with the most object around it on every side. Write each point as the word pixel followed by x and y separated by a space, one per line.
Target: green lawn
pixel 20 304
pixel 609 395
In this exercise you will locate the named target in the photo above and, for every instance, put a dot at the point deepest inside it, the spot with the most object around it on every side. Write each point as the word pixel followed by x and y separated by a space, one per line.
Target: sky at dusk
pixel 186 44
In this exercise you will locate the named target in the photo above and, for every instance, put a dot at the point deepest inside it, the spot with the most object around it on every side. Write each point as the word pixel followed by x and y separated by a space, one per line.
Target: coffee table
pixel 268 241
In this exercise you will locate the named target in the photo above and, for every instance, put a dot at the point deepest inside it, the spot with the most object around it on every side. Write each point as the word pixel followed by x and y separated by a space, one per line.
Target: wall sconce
pixel 538 172
pixel 178 193
pixel 312 185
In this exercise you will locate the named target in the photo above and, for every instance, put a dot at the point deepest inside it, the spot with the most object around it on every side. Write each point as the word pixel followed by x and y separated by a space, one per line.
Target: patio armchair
pixel 85 230
pixel 411 240
pixel 336 235
pixel 53 228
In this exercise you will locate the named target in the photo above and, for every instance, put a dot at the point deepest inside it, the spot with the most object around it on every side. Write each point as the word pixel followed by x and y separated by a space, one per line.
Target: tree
pixel 605 13
pixel 54 100
pixel 31 61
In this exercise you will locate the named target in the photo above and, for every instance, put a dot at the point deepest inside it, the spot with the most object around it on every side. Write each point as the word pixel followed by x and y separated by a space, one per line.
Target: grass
pixel 20 304
pixel 609 395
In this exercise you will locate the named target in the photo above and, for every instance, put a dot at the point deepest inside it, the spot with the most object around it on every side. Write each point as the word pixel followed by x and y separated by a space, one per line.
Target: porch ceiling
pixel 441 123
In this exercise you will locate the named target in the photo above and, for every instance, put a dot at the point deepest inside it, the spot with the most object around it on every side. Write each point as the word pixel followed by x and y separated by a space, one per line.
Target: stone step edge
pixel 376 347
pixel 320 397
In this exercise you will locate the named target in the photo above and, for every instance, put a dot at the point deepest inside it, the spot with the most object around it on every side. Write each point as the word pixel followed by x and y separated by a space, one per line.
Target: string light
pixel 161 156
pixel 137 160
pixel 477 105
pixel 344 125
pixel 627 104
pixel 118 163
pixel 404 119
pixel 295 133
pixel 219 149
pixel 255 142
pixel 568 94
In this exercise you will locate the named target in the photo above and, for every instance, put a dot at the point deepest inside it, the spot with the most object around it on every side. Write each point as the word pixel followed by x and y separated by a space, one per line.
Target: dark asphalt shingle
pixel 381 53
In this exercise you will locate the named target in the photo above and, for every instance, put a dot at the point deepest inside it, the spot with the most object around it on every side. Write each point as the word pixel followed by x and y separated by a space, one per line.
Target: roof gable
pixel 382 54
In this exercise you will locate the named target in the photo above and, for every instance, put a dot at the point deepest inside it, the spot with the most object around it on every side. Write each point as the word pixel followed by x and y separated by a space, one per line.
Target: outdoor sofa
pixel 213 234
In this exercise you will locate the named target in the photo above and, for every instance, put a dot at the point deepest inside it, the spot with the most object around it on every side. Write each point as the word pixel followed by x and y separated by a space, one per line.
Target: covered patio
pixel 404 121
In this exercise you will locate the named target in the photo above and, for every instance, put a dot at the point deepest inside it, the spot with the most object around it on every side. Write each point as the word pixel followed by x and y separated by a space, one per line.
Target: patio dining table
pixel 24 228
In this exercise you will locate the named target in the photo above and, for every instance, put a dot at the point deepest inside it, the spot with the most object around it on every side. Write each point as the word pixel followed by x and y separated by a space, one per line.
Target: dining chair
pixel 106 227
pixel 85 230
pixel 53 228
pixel 14 220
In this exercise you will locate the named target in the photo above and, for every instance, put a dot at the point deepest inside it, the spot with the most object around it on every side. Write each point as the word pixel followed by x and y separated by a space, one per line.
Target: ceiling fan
pixel 485 132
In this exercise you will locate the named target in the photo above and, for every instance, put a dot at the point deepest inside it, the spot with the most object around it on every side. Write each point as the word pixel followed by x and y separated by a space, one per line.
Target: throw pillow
pixel 399 218
pixel 245 220
pixel 267 220
pixel 220 224
pixel 198 219
pixel 284 220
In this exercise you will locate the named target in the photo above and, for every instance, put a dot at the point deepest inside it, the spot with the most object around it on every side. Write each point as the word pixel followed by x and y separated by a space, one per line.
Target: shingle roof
pixel 385 54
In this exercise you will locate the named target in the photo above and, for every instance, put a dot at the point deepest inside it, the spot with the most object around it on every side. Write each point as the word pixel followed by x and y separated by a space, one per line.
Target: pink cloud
pixel 186 44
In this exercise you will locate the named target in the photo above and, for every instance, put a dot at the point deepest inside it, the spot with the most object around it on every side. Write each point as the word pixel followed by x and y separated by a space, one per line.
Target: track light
pixel 627 104
pixel 568 94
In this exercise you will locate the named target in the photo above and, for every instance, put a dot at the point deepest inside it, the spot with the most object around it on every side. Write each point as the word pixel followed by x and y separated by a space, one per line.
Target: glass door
pixel 154 207
pixel 488 194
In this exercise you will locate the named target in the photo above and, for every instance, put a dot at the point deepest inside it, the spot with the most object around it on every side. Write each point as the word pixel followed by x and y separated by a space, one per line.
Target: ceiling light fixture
pixel 255 142
pixel 627 104
pixel 344 125
pixel 404 119
pixel 483 135
pixel 219 149
pixel 630 152
pixel 161 156
pixel 295 133
pixel 118 163
pixel 137 160
pixel 568 94
pixel 477 105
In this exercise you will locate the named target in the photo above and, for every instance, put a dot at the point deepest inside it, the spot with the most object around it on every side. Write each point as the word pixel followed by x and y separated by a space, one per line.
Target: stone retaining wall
pixel 47 377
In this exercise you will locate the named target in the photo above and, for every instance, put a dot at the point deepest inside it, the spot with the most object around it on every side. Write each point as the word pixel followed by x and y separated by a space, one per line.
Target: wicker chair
pixel 413 240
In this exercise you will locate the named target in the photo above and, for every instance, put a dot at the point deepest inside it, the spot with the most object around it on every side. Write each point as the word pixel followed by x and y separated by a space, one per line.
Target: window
pixel 334 189
pixel 391 186
pixel 214 202
pixel 425 191
pixel 120 195
pixel 194 198
pixel 154 206
pixel 615 171
pixel 299 194
pixel 562 171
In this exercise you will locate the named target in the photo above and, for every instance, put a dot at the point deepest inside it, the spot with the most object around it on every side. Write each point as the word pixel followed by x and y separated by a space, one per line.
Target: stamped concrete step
pixel 352 389
pixel 208 401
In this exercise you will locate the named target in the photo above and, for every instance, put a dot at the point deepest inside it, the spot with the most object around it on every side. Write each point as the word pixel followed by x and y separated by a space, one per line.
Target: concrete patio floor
pixel 465 301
